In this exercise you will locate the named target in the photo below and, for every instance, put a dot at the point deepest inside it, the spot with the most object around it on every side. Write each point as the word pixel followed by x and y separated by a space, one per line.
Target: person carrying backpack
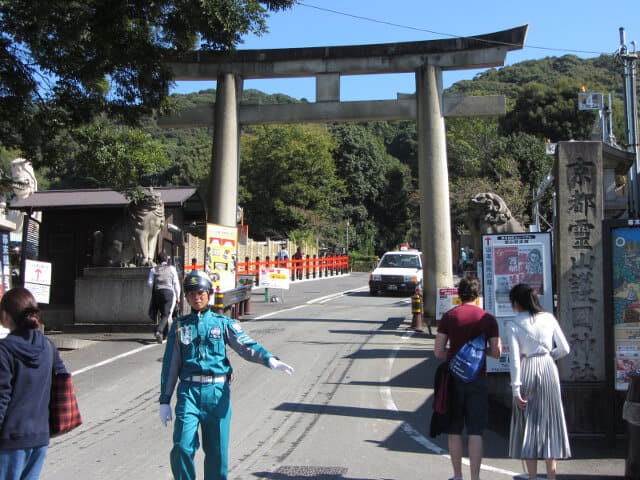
pixel 163 279
pixel 471 400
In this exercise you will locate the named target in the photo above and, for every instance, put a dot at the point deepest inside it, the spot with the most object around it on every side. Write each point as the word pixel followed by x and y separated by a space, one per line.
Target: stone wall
pixel 111 295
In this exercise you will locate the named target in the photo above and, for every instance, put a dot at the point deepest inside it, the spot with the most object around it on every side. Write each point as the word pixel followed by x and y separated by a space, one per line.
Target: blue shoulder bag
pixel 467 363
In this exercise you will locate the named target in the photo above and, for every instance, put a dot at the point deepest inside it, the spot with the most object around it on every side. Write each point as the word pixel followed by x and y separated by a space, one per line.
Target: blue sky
pixel 585 28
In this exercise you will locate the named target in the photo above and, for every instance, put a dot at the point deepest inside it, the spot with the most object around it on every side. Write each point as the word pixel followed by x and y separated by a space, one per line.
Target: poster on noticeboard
pixel 625 273
pixel 509 259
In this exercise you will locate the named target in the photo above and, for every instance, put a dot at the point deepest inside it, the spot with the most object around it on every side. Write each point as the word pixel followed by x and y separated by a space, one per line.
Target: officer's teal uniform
pixel 196 346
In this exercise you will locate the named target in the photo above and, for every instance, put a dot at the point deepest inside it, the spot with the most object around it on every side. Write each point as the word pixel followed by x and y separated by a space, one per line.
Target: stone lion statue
pixel 132 241
pixel 488 213
pixel 23 184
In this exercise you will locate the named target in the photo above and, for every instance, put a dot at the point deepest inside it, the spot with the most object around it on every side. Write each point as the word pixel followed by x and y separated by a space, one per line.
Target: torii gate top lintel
pixel 448 54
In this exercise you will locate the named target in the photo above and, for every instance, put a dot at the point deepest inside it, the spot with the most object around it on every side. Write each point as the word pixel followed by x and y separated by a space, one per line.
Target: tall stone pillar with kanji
pixel 579 279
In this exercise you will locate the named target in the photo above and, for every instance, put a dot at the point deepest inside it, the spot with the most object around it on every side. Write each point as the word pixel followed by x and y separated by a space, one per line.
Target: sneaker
pixel 158 336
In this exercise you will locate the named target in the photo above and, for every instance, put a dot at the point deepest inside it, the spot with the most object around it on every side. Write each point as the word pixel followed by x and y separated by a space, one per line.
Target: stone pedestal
pixel 108 295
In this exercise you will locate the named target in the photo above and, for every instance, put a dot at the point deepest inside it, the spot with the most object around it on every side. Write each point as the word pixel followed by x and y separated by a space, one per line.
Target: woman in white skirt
pixel 538 427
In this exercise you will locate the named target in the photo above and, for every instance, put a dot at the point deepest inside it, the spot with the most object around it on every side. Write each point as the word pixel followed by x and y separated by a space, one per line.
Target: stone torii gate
pixel 429 107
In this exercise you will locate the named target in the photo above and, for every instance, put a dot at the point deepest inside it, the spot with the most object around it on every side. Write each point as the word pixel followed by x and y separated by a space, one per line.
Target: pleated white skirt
pixel 539 431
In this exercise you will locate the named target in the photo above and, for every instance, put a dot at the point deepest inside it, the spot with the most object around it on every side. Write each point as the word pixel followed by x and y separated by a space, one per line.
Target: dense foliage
pixel 63 63
pixel 308 181
pixel 288 183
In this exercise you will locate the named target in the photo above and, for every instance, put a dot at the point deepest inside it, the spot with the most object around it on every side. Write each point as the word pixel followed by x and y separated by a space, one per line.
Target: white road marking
pixel 385 393
pixel 113 359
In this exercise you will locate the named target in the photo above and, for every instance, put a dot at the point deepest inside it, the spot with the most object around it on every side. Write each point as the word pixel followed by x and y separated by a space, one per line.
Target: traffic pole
pixel 416 310
pixel 218 302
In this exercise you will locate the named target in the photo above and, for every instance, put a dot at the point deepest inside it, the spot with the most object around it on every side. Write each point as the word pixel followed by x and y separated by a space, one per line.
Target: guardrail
pixel 238 300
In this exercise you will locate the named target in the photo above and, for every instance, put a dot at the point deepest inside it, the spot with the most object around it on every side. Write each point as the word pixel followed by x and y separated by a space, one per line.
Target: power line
pixel 408 27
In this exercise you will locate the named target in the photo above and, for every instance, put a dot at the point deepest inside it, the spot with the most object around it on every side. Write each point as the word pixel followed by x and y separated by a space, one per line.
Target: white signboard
pixel 274 278
pixel 37 279
pixel 509 259
pixel 590 101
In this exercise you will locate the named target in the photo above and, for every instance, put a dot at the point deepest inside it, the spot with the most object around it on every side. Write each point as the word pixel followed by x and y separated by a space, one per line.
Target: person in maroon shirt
pixel 471 400
pixel 297 263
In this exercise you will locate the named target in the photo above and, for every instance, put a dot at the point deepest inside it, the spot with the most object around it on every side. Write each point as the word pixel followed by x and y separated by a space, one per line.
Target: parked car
pixel 397 272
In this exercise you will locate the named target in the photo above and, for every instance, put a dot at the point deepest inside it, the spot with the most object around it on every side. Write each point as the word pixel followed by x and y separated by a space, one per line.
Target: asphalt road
pixel 356 408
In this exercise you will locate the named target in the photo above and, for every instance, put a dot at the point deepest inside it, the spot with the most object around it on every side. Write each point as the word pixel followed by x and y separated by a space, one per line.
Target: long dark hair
pixel 526 297
pixel 22 308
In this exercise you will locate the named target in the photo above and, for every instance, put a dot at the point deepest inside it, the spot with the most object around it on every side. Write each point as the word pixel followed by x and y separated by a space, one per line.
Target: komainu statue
pixel 23 183
pixel 488 214
pixel 132 241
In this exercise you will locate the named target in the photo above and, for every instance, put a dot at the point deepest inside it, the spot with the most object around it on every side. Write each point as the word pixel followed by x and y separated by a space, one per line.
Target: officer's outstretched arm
pixel 251 350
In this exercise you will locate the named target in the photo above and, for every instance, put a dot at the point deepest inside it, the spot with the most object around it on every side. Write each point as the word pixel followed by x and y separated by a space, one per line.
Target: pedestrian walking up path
pixel 592 458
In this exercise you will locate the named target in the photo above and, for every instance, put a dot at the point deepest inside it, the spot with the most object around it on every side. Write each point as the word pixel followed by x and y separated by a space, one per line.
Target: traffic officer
pixel 195 353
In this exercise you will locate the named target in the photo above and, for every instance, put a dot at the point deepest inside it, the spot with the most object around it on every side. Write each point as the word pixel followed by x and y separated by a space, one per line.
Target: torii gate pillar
pixel 435 218
pixel 223 180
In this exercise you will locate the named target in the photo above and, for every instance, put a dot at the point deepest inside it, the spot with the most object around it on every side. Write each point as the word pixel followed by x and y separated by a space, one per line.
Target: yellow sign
pixel 221 253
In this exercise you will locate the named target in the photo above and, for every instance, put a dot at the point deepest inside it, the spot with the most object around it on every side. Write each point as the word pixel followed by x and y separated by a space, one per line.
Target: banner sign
pixel 274 277
pixel 625 255
pixel 509 259
pixel 5 266
pixel 221 256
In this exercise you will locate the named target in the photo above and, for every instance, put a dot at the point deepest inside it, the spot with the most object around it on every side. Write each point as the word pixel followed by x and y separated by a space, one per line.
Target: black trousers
pixel 162 301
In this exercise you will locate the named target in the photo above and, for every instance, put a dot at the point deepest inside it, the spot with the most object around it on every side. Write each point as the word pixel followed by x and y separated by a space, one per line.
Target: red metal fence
pixel 310 267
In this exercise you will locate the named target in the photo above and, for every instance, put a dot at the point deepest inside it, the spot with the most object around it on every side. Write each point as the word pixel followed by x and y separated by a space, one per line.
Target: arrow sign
pixel 37 279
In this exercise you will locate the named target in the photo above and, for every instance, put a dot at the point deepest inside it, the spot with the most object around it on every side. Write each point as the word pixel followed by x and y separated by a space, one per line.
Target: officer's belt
pixel 206 378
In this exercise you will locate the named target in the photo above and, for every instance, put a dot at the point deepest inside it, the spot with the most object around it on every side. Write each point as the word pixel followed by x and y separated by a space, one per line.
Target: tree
pixel 108 156
pixel 62 63
pixel 288 182
pixel 378 189
pixel 549 112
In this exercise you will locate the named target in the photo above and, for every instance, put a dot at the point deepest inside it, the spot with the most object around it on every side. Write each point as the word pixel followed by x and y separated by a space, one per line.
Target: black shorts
pixel 470 406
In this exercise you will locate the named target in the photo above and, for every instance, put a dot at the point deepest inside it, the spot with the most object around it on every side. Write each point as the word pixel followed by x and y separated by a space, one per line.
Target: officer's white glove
pixel 276 364
pixel 165 413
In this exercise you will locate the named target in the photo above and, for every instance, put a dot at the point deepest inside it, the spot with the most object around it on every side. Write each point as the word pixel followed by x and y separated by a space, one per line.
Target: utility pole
pixel 347 243
pixel 628 60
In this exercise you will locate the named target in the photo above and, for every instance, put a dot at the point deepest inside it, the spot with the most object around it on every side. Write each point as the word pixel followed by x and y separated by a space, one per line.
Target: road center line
pixel 387 397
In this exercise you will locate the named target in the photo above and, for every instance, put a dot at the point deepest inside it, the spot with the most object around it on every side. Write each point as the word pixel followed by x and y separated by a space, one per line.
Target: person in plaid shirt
pixel 27 359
